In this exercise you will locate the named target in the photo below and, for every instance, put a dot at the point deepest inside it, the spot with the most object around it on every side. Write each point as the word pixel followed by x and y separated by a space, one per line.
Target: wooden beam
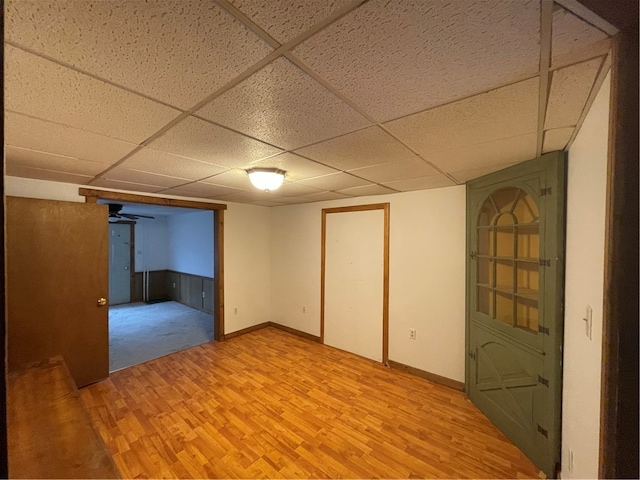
pixel 93 194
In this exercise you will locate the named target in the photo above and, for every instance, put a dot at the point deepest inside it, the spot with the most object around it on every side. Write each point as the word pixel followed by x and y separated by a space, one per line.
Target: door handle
pixel 102 302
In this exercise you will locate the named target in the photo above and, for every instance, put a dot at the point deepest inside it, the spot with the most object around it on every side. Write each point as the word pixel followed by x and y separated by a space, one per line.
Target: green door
pixel 515 274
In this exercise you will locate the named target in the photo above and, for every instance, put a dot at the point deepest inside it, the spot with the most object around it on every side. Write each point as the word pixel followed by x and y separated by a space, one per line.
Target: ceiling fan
pixel 115 215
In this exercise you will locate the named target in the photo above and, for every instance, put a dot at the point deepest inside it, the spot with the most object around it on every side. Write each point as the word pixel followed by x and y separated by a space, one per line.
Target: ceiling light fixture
pixel 266 179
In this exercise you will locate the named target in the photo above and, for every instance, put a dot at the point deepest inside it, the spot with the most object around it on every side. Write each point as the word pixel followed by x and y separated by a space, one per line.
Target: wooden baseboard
pixel 250 329
pixel 293 331
pixel 447 382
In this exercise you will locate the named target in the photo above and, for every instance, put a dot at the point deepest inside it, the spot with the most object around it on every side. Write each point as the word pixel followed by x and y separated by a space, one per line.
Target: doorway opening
pixel 165 275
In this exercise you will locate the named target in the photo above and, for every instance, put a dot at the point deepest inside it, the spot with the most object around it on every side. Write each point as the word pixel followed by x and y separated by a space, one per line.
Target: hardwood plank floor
pixel 269 404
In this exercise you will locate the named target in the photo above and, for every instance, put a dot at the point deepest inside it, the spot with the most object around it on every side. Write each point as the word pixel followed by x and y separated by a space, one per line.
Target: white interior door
pixel 354 280
pixel 119 263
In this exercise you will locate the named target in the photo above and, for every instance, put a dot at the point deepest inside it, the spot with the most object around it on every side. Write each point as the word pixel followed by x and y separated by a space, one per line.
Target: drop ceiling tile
pixel 400 170
pixel 163 163
pixel 397 58
pixel 574 37
pixel 498 152
pixel 44 136
pixel 200 140
pixel 250 197
pixel 366 190
pixel 127 186
pixel 267 203
pixel 201 190
pixel 334 181
pixel 235 178
pixel 505 112
pixel 466 175
pixel 421 183
pixel 325 196
pixel 570 88
pixel 370 146
pixel 286 20
pixel 47 161
pixel 556 139
pixel 176 52
pixel 146 178
pixel 40 88
pixel 283 106
pixel 289 189
pixel 297 168
pixel 12 170
pixel 294 200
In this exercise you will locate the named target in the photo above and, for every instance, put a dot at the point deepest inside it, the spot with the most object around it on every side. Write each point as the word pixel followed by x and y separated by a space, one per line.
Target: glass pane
pixel 504 198
pixel 527 278
pixel 506 219
pixel 527 314
pixel 504 241
pixel 504 308
pixel 526 210
pixel 528 242
pixel 484 300
pixel 504 275
pixel 485 240
pixel 484 271
pixel 485 217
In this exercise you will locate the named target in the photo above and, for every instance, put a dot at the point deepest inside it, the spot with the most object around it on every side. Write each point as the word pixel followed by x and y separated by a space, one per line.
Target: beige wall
pixel 246 253
pixel 586 200
pixel 427 269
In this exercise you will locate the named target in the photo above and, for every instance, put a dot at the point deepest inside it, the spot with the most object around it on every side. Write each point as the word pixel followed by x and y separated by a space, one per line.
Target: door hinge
pixel 545 262
pixel 472 355
pixel 543 431
pixel 545 191
pixel 543 381
pixel 473 255
pixel 542 329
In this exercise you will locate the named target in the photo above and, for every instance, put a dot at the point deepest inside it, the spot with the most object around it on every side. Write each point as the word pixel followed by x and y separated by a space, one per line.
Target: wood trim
pixel 298 333
pixel 218 275
pixel 244 331
pixel 447 382
pixel 385 275
pixel 91 195
pixel 619 392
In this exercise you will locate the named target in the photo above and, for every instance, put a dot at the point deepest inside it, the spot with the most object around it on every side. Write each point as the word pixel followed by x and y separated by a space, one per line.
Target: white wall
pixel 586 200
pixel 427 274
pixel 151 244
pixel 190 243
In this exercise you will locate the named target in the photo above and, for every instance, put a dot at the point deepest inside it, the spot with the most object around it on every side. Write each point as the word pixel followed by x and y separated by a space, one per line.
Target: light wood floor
pixel 271 405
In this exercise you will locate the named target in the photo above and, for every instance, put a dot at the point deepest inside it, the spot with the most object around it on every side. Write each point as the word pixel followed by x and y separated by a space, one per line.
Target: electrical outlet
pixel 304 309
pixel 412 333
pixel 235 311
pixel 174 284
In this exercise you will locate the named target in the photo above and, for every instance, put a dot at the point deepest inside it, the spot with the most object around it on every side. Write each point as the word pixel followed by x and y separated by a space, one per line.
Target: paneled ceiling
pixel 351 98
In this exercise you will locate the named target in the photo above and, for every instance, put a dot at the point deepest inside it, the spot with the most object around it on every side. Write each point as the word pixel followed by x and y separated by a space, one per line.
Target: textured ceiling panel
pixel 570 88
pixel 146 178
pixel 370 146
pixel 289 189
pixel 325 196
pixel 421 183
pixel 470 174
pixel 400 170
pixel 39 174
pixel 200 140
pixel 556 139
pixel 149 160
pixel 43 89
pixel 400 57
pixel 283 106
pixel 297 168
pixel 200 190
pixel 236 178
pixel 128 186
pixel 366 190
pixel 285 20
pixel 505 112
pixel 250 197
pixel 48 161
pixel 175 51
pixel 36 134
pixel 498 152
pixel 573 36
pixel 335 181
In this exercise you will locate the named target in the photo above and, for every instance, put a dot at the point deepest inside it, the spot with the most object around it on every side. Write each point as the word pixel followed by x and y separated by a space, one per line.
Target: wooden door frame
pixel 385 275
pixel 92 196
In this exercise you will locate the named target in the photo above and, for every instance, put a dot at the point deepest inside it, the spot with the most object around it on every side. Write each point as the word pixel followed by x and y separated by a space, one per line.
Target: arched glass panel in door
pixel 508 236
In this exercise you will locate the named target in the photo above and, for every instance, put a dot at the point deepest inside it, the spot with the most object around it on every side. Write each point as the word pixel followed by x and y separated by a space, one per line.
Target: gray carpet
pixel 139 332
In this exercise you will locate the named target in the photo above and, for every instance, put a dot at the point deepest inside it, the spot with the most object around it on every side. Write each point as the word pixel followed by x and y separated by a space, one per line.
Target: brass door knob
pixel 102 302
